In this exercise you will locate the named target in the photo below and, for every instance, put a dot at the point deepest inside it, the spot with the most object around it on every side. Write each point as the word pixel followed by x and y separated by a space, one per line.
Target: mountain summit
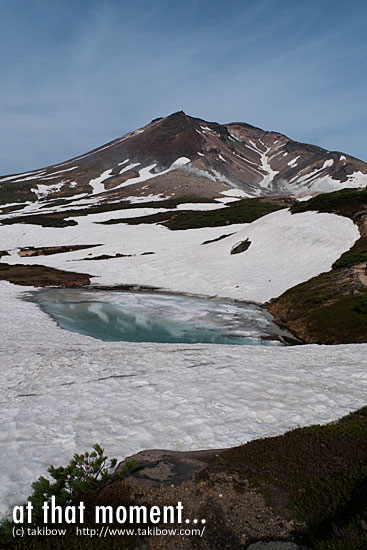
pixel 182 155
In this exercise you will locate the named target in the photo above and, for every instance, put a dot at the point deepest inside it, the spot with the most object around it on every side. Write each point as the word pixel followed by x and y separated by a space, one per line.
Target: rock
pixel 163 467
pixel 240 247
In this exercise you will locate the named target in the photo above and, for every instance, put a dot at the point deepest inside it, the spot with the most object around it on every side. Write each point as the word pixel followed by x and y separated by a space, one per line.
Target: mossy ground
pixel 60 219
pixel 351 203
pixel 242 211
pixel 325 309
pixel 316 474
pixel 20 192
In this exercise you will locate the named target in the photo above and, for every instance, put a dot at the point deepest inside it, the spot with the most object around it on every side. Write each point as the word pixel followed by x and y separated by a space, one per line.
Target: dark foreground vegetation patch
pixel 316 474
pixel 349 259
pixel 357 254
pixel 40 275
pixel 312 480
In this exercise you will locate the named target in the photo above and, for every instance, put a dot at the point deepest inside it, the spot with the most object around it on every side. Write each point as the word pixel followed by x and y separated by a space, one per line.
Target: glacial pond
pixel 157 317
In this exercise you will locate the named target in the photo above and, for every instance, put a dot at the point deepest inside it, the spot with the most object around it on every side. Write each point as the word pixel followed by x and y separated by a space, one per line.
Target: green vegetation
pixel 351 203
pixel 361 306
pixel 86 478
pixel 242 211
pixel 151 218
pixel 326 309
pixel 323 309
pixel 318 474
pixel 9 209
pixel 60 219
pixel 19 192
pixel 46 220
pixel 83 474
pixel 349 259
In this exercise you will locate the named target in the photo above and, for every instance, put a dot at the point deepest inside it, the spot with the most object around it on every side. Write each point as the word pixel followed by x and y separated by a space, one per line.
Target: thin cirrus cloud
pixel 78 74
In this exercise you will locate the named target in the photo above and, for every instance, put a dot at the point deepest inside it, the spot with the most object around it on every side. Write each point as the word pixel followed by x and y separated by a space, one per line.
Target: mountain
pixel 196 207
pixel 184 156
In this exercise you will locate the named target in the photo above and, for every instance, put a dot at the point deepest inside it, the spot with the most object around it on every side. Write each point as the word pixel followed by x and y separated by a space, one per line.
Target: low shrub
pixel 88 478
pixel 361 307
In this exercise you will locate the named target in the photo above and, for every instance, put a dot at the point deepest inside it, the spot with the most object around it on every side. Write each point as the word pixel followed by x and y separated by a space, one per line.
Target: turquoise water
pixel 163 318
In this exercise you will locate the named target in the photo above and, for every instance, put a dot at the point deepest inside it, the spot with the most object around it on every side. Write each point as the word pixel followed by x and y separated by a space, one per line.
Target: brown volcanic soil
pixel 39 275
pixel 177 183
pixel 165 138
pixel 235 513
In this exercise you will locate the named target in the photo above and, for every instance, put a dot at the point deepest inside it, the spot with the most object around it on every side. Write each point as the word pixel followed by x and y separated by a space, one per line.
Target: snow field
pixel 61 392
pixel 285 250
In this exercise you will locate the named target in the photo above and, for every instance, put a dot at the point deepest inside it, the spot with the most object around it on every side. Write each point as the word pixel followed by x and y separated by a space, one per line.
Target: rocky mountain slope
pixel 192 206
pixel 181 155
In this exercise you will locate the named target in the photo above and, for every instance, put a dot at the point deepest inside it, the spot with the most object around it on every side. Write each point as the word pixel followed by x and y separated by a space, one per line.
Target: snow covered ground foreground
pixel 62 392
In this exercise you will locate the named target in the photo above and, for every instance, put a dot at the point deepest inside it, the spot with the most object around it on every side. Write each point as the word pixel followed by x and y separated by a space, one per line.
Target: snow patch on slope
pixel 146 173
pixel 265 164
pixel 129 167
pixel 357 179
pixel 285 250
pixel 96 183
pixel 44 190
pixel 200 206
pixel 293 162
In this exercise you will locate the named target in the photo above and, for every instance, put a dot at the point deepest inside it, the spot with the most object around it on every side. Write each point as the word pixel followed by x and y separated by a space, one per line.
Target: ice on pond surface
pixel 163 318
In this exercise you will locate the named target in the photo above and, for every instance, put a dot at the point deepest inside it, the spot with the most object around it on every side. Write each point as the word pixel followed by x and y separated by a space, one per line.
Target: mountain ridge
pixel 234 155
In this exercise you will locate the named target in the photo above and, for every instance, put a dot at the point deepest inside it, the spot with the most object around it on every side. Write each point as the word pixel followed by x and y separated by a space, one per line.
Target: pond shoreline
pixel 267 330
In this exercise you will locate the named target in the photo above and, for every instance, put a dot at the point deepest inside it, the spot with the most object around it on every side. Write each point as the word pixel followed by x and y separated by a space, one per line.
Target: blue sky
pixel 78 73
